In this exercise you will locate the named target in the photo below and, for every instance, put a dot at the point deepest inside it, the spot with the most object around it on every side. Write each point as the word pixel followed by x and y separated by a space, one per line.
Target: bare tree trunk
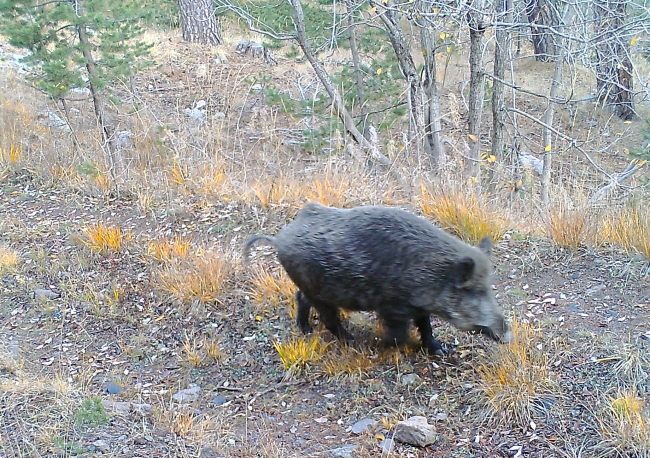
pixel 476 84
pixel 337 101
pixel 613 67
pixel 502 45
pixel 199 23
pixel 550 112
pixel 356 62
pixel 98 99
pixel 432 126
pixel 543 12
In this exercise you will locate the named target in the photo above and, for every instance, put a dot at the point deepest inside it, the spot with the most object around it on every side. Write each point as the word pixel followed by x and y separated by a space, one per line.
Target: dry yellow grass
pixel 278 191
pixel 514 378
pixel 298 353
pixel 102 238
pixel 328 191
pixel 8 259
pixel 465 214
pixel 274 288
pixel 347 362
pixel 629 228
pixel 625 423
pixel 569 227
pixel 166 251
pixel 197 279
pixel 201 352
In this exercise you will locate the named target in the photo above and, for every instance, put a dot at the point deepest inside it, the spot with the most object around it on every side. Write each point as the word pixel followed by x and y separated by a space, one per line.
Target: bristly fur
pixel 390 261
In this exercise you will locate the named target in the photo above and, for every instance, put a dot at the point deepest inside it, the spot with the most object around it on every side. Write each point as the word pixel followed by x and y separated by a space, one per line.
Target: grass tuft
pixel 465 214
pixel 329 192
pixel 299 353
pixel 274 288
pixel 514 378
pixel 8 259
pixel 569 228
pixel 628 228
pixel 347 362
pixel 201 352
pixel 167 251
pixel 101 238
pixel 198 279
pixel 626 423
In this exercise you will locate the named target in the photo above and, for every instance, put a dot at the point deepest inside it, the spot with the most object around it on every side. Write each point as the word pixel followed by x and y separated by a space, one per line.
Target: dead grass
pixel 274 288
pixel 299 353
pixel 199 352
pixel 102 238
pixel 634 365
pixel 629 228
pixel 329 191
pixel 167 251
pixel 345 362
pixel 465 214
pixel 9 259
pixel 199 278
pixel 570 227
pixel 625 423
pixel 514 379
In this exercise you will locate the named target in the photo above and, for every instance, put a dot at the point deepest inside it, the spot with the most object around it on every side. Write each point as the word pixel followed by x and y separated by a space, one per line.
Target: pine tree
pixel 78 44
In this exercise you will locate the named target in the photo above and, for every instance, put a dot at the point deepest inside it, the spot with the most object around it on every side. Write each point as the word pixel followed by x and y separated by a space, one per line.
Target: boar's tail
pixel 255 238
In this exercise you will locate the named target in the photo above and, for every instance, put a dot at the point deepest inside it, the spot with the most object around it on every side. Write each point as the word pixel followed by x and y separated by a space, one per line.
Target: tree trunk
pixel 550 112
pixel 337 101
pixel 432 125
pixel 502 45
pixel 613 67
pixel 544 13
pixel 356 62
pixel 199 23
pixel 476 85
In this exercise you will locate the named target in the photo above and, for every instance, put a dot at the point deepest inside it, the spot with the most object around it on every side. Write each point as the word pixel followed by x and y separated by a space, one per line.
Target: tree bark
pixel 614 78
pixel 199 23
pixel 337 100
pixel 502 45
pixel 356 62
pixel 476 85
pixel 544 13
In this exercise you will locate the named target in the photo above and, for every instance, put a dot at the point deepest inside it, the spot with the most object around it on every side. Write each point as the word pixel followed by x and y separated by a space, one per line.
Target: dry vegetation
pixel 149 291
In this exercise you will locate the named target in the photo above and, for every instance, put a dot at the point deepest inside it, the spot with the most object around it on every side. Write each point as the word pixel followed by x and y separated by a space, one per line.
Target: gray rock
pixel 343 452
pixel 115 407
pixel 362 426
pixel 114 388
pixel 219 400
pixel 411 379
pixel 143 409
pixel 594 289
pixel 387 446
pixel 257 87
pixel 101 446
pixel 415 431
pixel 188 394
pixel 45 294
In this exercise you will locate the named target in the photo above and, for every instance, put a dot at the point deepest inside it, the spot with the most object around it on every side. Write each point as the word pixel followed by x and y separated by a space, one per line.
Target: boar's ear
pixel 464 270
pixel 486 245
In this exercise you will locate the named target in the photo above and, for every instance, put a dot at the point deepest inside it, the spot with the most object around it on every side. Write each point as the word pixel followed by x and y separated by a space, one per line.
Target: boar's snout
pixel 500 331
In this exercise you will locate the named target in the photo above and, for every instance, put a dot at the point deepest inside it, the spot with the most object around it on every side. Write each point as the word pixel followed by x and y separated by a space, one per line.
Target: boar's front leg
pixel 327 314
pixel 426 335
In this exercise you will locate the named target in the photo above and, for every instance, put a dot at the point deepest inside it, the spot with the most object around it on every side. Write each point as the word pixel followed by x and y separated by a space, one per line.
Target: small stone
pixel 362 426
pixel 101 445
pixel 220 115
pixel 46 294
pixel 219 400
pixel 411 379
pixel 188 394
pixel 114 388
pixel 415 431
pixel 344 452
pixel 441 416
pixel 139 440
pixel 143 409
pixel 256 87
pixel 118 408
pixel 387 446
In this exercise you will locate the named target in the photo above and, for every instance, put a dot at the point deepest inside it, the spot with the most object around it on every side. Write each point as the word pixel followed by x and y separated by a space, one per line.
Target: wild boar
pixel 389 261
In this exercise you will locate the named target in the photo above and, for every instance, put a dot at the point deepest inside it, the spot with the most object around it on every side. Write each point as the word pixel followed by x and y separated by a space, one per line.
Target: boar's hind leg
pixel 426 334
pixel 327 314
pixel 397 331
pixel 302 316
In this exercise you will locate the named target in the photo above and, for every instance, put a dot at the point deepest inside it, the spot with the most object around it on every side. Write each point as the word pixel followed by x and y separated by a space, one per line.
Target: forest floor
pixel 166 344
